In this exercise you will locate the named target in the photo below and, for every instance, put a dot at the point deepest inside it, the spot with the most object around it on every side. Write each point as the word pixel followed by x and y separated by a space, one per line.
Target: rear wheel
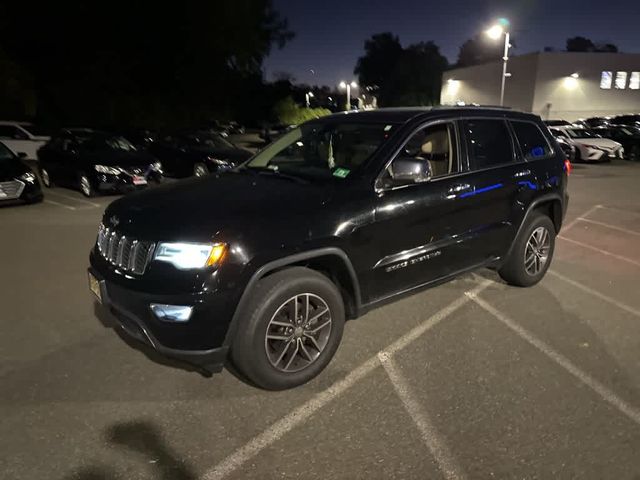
pixel 290 329
pixel 634 154
pixel 46 178
pixel 531 254
pixel 85 185
pixel 200 170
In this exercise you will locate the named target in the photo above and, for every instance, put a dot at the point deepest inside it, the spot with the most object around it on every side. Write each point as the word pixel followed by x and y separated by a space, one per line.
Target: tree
pixel 417 78
pixel 374 68
pixel 479 50
pixel 580 44
pixel 160 63
pixel 583 44
pixel 288 112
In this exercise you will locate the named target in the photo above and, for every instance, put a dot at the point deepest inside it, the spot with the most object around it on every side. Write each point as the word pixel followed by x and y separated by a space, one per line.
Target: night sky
pixel 330 34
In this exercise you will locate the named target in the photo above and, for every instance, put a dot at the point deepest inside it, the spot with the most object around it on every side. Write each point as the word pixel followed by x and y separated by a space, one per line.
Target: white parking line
pixel 606 394
pixel 79 200
pixel 59 204
pixel 599 250
pixel 446 462
pixel 607 225
pixel 303 412
pixel 595 293
pixel 585 214
pixel 618 209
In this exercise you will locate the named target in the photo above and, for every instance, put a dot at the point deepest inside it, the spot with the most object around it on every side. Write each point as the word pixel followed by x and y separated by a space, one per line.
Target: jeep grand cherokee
pixel 262 265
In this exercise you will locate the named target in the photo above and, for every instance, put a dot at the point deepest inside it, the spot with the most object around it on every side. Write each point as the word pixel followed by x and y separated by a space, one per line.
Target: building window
pixel 605 79
pixel 634 81
pixel 621 80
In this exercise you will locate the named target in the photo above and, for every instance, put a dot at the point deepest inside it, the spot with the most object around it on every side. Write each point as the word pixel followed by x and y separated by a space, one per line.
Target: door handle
pixel 461 187
pixel 522 173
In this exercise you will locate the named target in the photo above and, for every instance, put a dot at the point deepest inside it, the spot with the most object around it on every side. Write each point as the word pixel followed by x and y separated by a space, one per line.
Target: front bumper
pixel 198 342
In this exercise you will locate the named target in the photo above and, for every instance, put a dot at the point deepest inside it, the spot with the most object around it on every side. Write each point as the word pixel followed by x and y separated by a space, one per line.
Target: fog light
pixel 171 313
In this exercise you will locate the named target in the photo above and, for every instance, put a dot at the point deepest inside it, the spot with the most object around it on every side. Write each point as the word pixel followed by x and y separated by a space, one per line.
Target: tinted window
pixel 7 131
pixel 532 142
pixel 489 143
pixel 436 145
pixel 5 154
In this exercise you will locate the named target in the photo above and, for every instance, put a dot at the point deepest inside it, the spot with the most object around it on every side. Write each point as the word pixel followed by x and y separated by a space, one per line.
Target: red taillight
pixel 567 166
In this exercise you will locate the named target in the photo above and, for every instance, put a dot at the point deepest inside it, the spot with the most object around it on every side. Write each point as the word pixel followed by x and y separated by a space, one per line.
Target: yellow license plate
pixel 94 286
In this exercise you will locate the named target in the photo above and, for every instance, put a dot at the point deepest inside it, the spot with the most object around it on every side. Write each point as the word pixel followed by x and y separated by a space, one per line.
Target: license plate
pixel 94 286
pixel 137 180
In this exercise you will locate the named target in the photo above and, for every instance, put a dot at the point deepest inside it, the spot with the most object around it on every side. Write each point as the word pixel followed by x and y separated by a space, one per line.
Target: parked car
pixel 22 137
pixel 271 132
pixel 263 264
pixel 628 137
pixel 96 162
pixel 593 122
pixel 628 120
pixel 233 128
pixel 141 138
pixel 17 181
pixel 589 146
pixel 197 153
pixel 556 123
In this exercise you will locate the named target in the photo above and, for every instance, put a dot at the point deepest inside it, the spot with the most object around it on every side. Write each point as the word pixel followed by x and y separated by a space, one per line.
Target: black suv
pixel 262 265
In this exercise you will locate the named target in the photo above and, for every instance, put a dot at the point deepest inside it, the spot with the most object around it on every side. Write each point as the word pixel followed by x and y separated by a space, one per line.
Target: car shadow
pixel 143 439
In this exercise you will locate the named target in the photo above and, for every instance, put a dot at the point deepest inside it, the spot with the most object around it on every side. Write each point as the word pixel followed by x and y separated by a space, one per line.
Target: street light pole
pixel 505 59
pixel 348 87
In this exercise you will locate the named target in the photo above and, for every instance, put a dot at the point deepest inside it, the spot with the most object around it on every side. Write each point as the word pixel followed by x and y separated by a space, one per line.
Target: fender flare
pixel 549 197
pixel 283 262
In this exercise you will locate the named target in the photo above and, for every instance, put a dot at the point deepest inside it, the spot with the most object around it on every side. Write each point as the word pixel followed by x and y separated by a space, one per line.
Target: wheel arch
pixel 330 261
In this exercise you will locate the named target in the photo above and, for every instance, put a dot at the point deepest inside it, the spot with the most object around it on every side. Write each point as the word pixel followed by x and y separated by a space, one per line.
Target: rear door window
pixel 489 143
pixel 532 141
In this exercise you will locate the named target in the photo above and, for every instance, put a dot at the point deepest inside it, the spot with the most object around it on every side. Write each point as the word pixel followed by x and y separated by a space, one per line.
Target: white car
pixel 589 146
pixel 22 137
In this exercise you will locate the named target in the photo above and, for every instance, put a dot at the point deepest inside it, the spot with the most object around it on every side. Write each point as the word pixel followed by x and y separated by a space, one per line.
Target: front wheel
pixel 46 178
pixel 531 254
pixel 289 330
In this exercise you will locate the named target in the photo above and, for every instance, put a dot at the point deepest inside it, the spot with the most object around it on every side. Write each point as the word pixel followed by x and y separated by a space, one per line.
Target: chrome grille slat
pixel 126 253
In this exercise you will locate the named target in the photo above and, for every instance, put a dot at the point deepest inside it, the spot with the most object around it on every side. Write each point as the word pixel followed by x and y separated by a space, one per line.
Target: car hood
pixel 233 203
pixel 121 159
pixel 12 168
pixel 598 142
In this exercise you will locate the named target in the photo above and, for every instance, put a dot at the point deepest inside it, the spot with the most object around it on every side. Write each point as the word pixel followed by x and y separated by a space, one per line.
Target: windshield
pixel 207 141
pixel 581 133
pixel 120 143
pixel 323 150
pixel 5 155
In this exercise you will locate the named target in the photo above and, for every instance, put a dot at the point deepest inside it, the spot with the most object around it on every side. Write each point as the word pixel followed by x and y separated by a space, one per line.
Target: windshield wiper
pixel 274 172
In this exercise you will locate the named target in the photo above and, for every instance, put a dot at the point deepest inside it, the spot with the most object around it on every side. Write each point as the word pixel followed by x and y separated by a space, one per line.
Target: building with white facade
pixel 554 85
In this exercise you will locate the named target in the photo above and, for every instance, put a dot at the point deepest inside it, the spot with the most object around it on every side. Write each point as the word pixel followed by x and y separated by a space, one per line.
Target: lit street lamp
pixel 495 33
pixel 307 97
pixel 348 86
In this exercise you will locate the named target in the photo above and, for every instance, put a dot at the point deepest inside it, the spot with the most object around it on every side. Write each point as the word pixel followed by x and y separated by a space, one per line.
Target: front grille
pixel 11 190
pixel 124 252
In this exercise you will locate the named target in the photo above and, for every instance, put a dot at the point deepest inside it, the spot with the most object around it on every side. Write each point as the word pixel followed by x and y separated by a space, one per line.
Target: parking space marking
pixel 599 250
pixel 607 225
pixel 618 209
pixel 595 293
pixel 59 204
pixel 606 394
pixel 441 453
pixel 585 214
pixel 73 199
pixel 303 412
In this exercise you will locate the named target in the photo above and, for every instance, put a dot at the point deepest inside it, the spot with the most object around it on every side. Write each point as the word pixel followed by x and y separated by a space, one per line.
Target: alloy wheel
pixel 45 178
pixel 536 253
pixel 85 185
pixel 298 332
pixel 199 171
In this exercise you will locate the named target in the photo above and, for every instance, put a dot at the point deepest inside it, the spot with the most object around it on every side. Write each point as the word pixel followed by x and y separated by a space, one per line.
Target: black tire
pixel 634 154
pixel 84 184
pixel 516 270
pixel 249 351
pixel 46 178
pixel 200 170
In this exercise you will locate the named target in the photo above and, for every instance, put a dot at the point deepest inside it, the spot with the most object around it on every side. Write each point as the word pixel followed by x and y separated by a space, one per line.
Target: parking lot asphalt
pixel 471 379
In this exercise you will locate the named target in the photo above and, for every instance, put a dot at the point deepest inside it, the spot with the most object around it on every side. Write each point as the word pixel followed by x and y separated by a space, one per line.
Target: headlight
pixel 106 169
pixel 186 256
pixel 28 177
pixel 156 167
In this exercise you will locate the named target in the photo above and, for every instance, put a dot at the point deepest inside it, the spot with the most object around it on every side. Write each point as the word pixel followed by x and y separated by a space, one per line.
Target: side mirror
pixel 22 155
pixel 409 170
